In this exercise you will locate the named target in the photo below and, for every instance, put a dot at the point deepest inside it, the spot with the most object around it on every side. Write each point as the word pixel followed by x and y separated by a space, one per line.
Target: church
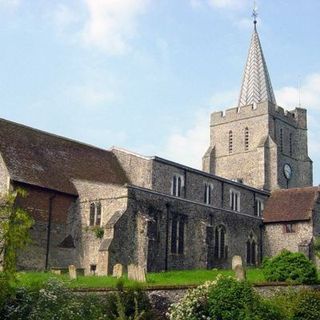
pixel 94 208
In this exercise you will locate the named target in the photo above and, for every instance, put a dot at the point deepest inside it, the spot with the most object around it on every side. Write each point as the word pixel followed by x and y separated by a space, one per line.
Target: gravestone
pixel 72 272
pixel 238 268
pixel 56 271
pixel 136 273
pixel 240 273
pixel 236 261
pixel 117 270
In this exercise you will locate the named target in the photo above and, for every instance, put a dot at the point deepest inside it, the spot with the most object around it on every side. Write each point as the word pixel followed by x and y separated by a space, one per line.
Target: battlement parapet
pixel 296 117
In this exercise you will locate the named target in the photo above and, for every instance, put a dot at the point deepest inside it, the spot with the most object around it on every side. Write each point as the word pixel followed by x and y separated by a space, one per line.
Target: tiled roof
pixel 256 84
pixel 46 160
pixel 291 204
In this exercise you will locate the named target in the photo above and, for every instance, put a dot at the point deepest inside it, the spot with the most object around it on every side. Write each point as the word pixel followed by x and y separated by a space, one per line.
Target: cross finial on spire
pixel 255 13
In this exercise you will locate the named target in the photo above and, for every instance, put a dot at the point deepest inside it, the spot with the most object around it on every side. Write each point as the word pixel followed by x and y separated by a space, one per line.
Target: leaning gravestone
pixel 136 273
pixel 117 270
pixel 240 273
pixel 72 272
pixel 238 268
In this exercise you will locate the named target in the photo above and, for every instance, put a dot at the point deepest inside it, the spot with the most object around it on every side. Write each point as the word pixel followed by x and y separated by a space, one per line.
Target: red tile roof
pixel 291 204
pixel 50 161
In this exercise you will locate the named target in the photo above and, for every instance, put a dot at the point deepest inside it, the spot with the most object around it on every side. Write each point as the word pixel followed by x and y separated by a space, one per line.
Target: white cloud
pixel 189 146
pixel 111 23
pixel 288 97
pixel 108 25
pixel 310 94
pixel 228 4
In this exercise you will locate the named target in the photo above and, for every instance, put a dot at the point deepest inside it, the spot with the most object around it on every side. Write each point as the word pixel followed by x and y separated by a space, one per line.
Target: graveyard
pixel 171 278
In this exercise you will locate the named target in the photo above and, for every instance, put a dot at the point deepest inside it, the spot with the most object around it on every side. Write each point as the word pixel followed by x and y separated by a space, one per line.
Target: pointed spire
pixel 256 84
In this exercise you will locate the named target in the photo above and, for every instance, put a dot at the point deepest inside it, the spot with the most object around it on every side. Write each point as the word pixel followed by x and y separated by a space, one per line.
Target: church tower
pixel 258 142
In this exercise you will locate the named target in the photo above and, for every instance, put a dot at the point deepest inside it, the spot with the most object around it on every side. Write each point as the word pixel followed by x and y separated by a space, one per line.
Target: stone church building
pixel 95 208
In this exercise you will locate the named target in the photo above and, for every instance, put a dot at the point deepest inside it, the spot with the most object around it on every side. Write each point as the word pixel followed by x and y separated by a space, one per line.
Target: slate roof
pixel 256 84
pixel 42 159
pixel 291 204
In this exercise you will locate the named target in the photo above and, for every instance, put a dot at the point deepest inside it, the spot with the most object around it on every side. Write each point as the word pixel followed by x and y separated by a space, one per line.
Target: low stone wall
pixel 163 296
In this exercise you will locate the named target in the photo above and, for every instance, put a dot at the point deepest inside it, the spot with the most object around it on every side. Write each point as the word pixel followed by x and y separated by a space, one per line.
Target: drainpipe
pixel 49 229
pixel 167 237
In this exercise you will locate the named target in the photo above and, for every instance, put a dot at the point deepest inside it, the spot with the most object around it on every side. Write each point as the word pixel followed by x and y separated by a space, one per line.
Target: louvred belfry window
pixel 230 141
pixel 246 139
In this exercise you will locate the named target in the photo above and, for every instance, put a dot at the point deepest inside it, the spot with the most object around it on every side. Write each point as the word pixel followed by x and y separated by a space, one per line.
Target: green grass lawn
pixel 170 278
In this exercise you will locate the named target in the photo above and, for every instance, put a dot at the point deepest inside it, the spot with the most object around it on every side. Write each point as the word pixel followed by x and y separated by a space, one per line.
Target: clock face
pixel 287 170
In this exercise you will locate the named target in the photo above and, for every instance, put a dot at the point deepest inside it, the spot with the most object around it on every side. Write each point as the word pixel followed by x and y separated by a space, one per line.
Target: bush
pixel 55 301
pixel 131 303
pixel 5 291
pixel 229 299
pixel 308 306
pixel 194 305
pixel 288 266
pixel 224 299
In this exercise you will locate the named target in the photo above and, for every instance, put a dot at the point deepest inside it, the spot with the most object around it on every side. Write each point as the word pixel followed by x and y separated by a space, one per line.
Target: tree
pixel 15 224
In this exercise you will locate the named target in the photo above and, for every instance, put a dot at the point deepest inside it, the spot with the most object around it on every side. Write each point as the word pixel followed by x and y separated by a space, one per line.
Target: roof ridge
pixel 54 135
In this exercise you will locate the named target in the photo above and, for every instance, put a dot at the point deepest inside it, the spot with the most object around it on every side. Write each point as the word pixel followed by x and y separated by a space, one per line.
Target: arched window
pixel 179 187
pixel 251 250
pixel 95 214
pixel 230 141
pixel 98 214
pixel 176 185
pixel 178 224
pixel 246 139
pixel 220 248
pixel 207 193
pixel 92 213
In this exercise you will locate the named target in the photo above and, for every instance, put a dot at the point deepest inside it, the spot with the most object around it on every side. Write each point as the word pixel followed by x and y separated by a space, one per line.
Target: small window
pixel 176 185
pixel 235 200
pixel 95 214
pixel 177 234
pixel 281 140
pixel 230 141
pixel 259 206
pixel 291 144
pixel 207 193
pixel 289 228
pixel 211 220
pixel 246 139
pixel 220 249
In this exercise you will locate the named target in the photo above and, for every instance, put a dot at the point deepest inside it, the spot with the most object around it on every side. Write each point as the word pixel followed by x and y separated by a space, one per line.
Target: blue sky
pixel 145 74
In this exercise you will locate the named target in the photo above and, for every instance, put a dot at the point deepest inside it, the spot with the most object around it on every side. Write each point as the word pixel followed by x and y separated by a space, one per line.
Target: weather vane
pixel 255 12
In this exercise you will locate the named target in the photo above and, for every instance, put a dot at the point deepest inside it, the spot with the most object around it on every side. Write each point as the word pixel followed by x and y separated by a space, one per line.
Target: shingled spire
pixel 256 85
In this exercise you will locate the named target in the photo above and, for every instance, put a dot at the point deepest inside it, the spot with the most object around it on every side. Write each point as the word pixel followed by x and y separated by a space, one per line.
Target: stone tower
pixel 259 143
